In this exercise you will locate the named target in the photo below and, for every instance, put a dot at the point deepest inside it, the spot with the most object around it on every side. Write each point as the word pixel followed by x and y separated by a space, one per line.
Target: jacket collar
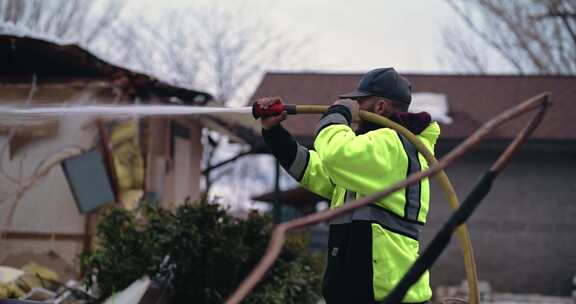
pixel 415 122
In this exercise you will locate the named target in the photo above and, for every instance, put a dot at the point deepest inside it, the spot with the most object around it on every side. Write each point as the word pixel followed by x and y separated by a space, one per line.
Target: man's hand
pixel 269 122
pixel 353 106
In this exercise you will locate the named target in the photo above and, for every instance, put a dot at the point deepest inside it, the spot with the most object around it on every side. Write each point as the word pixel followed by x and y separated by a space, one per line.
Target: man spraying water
pixel 371 248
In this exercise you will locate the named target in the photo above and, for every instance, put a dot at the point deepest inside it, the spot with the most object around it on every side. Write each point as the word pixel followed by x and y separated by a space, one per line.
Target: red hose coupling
pixel 274 109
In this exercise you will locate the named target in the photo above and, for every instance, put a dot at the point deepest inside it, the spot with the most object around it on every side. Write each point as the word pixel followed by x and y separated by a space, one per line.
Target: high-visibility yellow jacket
pixel 371 248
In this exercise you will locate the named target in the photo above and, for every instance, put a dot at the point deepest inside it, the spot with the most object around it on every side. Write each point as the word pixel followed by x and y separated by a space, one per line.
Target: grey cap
pixel 385 82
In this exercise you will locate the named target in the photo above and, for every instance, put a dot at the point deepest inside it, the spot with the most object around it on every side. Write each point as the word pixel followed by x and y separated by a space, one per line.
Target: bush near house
pixel 209 251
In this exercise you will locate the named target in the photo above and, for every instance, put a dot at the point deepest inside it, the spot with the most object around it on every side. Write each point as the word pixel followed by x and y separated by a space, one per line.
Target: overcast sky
pixel 351 35
pixel 363 34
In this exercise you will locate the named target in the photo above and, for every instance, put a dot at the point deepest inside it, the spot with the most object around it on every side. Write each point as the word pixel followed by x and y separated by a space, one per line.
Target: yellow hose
pixel 441 177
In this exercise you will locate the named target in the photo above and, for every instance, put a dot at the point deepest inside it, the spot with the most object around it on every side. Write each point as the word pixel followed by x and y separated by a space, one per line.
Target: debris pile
pixel 458 294
pixel 37 283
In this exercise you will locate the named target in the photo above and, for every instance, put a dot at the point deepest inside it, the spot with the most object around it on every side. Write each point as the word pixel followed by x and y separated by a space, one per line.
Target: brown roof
pixel 473 99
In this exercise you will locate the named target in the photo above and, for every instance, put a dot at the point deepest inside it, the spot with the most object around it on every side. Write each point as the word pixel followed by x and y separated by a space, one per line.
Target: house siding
pixel 524 232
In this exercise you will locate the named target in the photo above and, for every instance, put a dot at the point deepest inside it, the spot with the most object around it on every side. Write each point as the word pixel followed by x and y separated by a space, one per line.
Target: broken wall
pixel 35 200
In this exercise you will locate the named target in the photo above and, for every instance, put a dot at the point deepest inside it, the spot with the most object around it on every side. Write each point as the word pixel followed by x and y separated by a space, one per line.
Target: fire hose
pixel 436 169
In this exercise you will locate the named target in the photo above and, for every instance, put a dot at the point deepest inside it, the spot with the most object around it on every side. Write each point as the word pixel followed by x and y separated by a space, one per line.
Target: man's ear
pixel 381 107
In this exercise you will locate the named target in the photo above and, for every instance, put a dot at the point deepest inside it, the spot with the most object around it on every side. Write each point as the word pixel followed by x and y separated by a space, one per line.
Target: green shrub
pixel 210 253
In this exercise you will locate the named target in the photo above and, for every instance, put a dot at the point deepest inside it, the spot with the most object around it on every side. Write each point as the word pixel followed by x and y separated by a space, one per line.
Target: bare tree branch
pixel 533 36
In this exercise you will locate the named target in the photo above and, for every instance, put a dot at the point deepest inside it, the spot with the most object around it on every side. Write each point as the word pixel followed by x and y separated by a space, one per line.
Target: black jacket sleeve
pixel 281 144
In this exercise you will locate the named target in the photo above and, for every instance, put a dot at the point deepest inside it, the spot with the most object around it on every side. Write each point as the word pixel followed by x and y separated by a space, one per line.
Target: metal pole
pixel 277 207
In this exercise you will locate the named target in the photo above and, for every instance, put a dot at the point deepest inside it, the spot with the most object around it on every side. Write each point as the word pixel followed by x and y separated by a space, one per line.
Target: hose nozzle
pixel 273 110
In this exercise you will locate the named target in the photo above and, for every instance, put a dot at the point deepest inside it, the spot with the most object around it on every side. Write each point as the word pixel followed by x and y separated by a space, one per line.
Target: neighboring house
pixel 156 158
pixel 524 234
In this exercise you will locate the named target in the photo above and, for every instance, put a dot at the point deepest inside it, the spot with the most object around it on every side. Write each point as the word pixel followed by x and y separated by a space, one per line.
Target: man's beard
pixel 366 126
pixel 414 122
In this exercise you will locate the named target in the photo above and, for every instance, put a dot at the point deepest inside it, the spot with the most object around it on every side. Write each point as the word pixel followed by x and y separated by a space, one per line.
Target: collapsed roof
pixel 49 61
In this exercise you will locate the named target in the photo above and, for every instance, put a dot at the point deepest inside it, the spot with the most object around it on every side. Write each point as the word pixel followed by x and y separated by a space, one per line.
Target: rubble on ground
pixel 37 283
pixel 458 294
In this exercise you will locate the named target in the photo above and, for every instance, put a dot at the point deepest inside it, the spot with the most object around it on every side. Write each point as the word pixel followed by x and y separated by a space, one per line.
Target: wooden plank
pixel 108 158
pixel 56 236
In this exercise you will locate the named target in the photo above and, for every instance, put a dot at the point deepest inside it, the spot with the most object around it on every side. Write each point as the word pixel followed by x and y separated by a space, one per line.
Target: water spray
pixel 115 110
pixel 109 110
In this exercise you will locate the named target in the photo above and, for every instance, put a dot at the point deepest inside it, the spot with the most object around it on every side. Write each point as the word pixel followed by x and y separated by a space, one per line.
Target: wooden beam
pixel 108 158
pixel 56 236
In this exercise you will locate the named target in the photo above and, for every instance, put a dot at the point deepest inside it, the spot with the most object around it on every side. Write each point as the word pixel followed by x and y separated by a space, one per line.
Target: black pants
pixel 348 276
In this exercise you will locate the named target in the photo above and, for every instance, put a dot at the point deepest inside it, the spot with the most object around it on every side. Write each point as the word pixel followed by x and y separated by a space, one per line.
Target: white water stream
pixel 15 112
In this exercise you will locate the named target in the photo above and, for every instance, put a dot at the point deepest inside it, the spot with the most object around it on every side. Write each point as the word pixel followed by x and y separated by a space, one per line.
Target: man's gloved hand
pixel 269 122
pixel 353 106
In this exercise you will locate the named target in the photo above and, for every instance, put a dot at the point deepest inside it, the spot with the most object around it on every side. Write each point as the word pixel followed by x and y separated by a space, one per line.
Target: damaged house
pixel 54 172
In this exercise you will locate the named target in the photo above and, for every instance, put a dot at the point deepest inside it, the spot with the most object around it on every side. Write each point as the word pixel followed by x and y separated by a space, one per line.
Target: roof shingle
pixel 473 99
